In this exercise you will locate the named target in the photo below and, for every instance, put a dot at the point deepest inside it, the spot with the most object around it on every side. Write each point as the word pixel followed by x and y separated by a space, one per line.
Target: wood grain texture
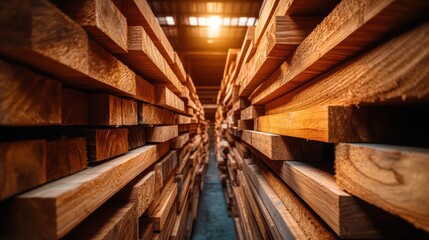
pixel 347 216
pixel 101 19
pixel 108 222
pixel 145 91
pixel 309 222
pixel 179 141
pixel 150 114
pixel 139 13
pixel 252 112
pixel 65 156
pixel 136 137
pixel 28 98
pixel 43 203
pixel 165 167
pixel 277 147
pixel 161 212
pixel 167 99
pixel 369 84
pixel 145 230
pixel 161 133
pixel 18 159
pixel 105 109
pixel 140 192
pixel 245 124
pixel 391 177
pixel 286 224
pixel 74 107
pixel 145 58
pixel 129 112
pixel 103 143
pixel 178 68
pixel 349 29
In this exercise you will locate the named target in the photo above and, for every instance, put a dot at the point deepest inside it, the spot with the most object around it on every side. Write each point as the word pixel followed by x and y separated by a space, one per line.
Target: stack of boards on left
pixel 102 133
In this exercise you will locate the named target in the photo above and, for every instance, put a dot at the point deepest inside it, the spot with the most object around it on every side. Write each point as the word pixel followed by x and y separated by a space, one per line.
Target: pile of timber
pixel 102 133
pixel 322 122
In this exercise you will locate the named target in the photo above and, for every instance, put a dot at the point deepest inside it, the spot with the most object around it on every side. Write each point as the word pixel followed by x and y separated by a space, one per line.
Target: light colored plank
pixel 165 167
pixel 160 214
pixel 252 112
pixel 150 114
pixel 161 133
pixel 27 98
pixel 43 203
pixel 167 99
pixel 391 177
pixel 348 30
pixel 179 141
pixel 145 91
pixel 129 112
pixel 101 19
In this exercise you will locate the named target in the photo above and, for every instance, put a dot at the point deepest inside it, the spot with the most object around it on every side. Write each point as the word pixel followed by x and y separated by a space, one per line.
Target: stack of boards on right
pixel 321 126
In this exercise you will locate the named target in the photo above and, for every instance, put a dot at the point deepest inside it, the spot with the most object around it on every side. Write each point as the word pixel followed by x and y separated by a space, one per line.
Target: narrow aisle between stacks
pixel 212 220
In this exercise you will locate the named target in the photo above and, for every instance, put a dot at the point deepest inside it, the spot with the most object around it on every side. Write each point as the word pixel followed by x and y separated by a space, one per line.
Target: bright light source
pixel 234 21
pixel 201 21
pixel 193 21
pixel 169 20
pixel 242 21
pixel 226 21
pixel 214 22
pixel 162 21
pixel 210 41
pixel 250 21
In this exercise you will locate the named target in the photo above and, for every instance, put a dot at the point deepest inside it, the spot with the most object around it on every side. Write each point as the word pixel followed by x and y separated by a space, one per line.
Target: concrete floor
pixel 212 219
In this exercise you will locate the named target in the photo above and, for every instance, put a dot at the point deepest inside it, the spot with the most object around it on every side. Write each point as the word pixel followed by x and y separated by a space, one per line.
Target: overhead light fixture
pixel 202 21
pixel 226 21
pixel 162 21
pixel 242 21
pixel 250 21
pixel 193 21
pixel 234 21
pixel 214 22
pixel 170 20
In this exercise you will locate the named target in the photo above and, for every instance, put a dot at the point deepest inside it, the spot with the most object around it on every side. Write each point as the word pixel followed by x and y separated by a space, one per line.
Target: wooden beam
pixel 136 137
pixel 105 109
pixel 150 114
pixel 167 99
pixel 108 222
pixel 74 107
pixel 43 203
pixel 178 68
pixel 179 141
pixel 391 177
pixel 277 147
pixel 164 168
pixel 161 133
pixel 347 216
pixel 129 112
pixel 350 35
pixel 160 214
pixel 252 112
pixel 145 91
pixel 101 19
pixel 103 143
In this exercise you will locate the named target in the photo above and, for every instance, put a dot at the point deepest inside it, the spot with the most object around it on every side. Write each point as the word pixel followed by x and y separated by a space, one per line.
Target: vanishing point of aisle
pixel 212 220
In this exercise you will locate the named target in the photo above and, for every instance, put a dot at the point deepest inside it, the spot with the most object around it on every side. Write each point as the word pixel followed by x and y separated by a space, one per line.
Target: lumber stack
pixel 103 135
pixel 321 123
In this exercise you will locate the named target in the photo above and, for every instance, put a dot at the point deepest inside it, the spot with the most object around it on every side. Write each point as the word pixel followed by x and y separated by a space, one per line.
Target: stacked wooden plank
pixel 102 133
pixel 321 122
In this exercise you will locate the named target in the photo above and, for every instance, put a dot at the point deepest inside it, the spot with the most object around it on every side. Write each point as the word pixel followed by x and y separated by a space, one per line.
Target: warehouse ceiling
pixel 202 32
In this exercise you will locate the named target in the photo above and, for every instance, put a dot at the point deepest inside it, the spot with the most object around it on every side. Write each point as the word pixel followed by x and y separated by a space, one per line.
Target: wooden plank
pixel 129 112
pixel 245 124
pixel 150 114
pixel 179 228
pixel 164 167
pixel 251 230
pixel 168 228
pixel 140 192
pixel 252 112
pixel 105 109
pixel 240 104
pixel 139 13
pixel 282 37
pixel 184 190
pixel 349 124
pixel 101 19
pixel 74 107
pixel 178 68
pixel 145 58
pixel 309 222
pixel 183 119
pixel 161 212
pixel 266 13
pixel 161 133
pixel 145 230
pixel 41 205
pixel 238 229
pixel 136 137
pixel 286 224
pixel 65 156
pixel 108 222
pixel 48 40
pixel 391 177
pixel 167 99
pixel 277 147
pixel 145 91
pixel 347 216
pixel 28 98
pixel 179 141
pixel 22 158
pixel 342 35
pixel 103 143
pixel 243 51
